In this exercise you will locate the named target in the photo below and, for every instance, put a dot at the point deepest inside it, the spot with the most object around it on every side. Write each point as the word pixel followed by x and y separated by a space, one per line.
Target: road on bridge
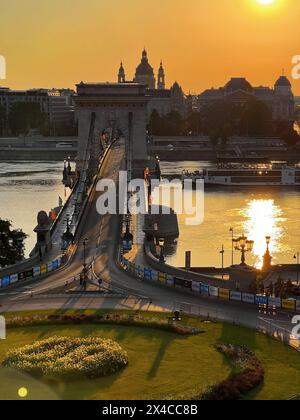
pixel 103 234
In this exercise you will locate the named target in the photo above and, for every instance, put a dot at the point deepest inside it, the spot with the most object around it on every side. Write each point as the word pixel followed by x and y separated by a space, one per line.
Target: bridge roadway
pixel 103 235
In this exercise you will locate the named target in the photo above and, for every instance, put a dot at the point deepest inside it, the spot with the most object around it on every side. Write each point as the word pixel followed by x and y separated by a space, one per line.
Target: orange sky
pixel 57 43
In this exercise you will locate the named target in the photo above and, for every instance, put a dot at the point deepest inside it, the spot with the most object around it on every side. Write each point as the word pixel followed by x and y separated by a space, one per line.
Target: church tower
pixel 121 75
pixel 161 80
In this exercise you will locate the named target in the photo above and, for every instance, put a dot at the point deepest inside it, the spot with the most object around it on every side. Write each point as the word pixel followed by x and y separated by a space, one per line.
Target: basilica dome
pixel 283 81
pixel 144 68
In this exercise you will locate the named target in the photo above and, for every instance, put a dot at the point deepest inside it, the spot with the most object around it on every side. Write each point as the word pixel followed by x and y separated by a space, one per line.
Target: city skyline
pixel 62 44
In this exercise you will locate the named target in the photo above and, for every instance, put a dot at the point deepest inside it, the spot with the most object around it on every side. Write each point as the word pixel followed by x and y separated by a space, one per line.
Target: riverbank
pixel 9 154
pixel 37 148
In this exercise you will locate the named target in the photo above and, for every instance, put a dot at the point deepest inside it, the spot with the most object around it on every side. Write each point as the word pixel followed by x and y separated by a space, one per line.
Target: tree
pixel 194 123
pixel 227 118
pixel 24 116
pixel 11 244
pixel 155 124
pixel 171 124
pixel 288 134
pixel 256 119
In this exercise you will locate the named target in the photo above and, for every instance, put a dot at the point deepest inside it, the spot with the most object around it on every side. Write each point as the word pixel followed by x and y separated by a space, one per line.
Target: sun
pixel 265 2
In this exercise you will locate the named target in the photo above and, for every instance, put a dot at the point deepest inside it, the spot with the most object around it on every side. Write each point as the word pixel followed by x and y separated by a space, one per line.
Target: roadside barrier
pixel 204 290
pixel 33 273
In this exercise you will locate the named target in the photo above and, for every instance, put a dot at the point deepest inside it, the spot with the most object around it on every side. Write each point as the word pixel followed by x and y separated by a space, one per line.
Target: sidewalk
pixel 136 255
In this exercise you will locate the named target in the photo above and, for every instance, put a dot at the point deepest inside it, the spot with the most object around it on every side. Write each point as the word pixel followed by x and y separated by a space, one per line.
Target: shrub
pixel 127 319
pixel 251 375
pixel 71 357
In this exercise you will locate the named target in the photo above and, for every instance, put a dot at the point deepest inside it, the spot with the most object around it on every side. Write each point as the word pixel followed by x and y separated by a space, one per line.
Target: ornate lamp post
pixel 67 237
pixel 232 247
pixel 222 252
pixel 85 241
pixel 127 237
pixel 243 245
pixel 267 257
pixel 161 246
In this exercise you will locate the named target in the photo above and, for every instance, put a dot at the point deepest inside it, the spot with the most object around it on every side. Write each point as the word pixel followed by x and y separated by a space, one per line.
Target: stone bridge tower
pixel 122 106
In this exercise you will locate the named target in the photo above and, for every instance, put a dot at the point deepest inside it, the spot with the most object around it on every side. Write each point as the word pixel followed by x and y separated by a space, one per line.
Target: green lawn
pixel 160 363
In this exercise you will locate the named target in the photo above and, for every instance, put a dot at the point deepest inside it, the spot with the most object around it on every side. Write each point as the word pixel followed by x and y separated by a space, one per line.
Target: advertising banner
pixel 214 291
pixel 14 278
pixel 5 281
pixel 196 286
pixel 261 300
pixel 204 289
pixel 55 265
pixel 170 280
pixel 50 267
pixel 237 296
pixel 139 271
pixel 154 276
pixel 248 298
pixel 224 294
pixel 274 302
pixel 162 277
pixel 148 274
pixel 29 273
pixel 44 269
pixel 132 268
pixel 21 276
pixel 183 283
pixel 290 305
pixel 36 271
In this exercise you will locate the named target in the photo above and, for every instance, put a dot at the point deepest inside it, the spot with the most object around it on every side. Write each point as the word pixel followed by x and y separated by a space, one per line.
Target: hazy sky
pixel 57 43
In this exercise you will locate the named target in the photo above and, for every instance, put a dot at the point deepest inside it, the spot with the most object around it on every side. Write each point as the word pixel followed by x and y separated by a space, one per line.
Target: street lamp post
pixel 84 253
pixel 297 257
pixel 267 261
pixel 222 252
pixel 243 245
pixel 161 245
pixel 232 245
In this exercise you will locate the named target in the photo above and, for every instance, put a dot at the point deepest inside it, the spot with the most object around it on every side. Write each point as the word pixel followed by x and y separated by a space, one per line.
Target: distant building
pixel 280 99
pixel 57 104
pixel 162 100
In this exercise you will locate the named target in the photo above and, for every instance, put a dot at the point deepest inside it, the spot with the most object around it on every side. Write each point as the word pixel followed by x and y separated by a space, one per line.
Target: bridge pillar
pixel 117 106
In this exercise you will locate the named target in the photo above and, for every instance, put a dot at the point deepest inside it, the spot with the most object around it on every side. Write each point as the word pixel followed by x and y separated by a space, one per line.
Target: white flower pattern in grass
pixel 71 357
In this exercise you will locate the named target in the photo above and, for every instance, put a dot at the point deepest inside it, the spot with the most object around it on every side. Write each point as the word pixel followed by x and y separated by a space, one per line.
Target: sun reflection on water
pixel 263 218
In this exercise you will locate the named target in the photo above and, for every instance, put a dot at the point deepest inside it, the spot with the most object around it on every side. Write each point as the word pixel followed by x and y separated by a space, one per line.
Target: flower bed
pixel 127 319
pixel 250 374
pixel 69 357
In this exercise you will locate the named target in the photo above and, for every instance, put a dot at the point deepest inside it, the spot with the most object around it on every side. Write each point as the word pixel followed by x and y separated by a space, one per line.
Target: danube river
pixel 27 187
pixel 257 214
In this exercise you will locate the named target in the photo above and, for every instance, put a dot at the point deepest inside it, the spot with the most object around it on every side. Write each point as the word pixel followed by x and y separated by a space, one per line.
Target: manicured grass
pixel 160 363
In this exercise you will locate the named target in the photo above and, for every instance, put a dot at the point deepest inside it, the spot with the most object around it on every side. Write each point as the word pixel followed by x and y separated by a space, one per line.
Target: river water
pixel 25 189
pixel 257 214
pixel 28 187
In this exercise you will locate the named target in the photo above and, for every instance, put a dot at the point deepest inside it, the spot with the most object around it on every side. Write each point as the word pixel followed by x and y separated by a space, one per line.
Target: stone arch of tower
pixel 117 106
